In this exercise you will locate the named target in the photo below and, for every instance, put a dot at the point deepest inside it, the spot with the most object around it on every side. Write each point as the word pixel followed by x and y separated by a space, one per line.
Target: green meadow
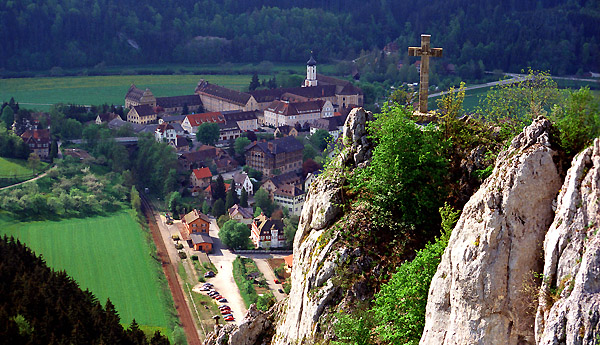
pixel 41 93
pixel 14 167
pixel 108 255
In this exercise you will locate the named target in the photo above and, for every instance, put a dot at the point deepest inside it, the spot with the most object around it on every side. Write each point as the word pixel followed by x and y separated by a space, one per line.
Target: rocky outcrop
pixel 569 301
pixel 478 294
pixel 253 329
pixel 316 253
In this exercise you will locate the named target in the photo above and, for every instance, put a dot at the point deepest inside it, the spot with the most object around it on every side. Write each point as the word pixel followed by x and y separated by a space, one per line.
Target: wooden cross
pixel 424 51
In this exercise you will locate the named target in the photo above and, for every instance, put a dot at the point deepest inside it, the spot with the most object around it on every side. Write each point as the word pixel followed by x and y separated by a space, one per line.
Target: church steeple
pixel 311 72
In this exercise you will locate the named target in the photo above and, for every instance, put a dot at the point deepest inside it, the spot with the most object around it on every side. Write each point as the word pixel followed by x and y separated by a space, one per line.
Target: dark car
pixel 209 274
pixel 280 290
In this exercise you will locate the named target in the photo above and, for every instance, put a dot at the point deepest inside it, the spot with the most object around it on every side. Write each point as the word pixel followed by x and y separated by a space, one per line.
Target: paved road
pixel 223 259
pixel 266 270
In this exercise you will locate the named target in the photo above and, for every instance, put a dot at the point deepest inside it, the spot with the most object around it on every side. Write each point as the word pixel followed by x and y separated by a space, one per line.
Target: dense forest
pixel 41 306
pixel 560 36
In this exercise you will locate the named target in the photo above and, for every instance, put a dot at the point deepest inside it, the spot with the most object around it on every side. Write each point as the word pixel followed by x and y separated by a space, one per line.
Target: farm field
pixel 41 93
pixel 107 255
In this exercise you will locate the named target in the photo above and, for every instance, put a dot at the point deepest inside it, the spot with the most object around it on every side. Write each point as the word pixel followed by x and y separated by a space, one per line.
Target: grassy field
pixel 14 167
pixel 40 93
pixel 107 255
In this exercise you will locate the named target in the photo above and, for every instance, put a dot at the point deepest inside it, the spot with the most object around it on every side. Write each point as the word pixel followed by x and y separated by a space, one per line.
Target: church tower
pixel 311 72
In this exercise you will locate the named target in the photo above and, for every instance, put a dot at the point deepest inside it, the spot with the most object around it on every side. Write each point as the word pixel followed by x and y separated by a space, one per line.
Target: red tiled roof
pixel 202 173
pixel 197 119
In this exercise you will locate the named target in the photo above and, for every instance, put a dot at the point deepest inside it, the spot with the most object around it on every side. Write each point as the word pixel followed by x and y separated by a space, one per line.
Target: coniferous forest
pixel 41 306
pixel 556 35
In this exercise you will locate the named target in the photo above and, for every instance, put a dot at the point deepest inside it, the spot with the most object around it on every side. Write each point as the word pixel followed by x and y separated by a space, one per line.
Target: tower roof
pixel 311 61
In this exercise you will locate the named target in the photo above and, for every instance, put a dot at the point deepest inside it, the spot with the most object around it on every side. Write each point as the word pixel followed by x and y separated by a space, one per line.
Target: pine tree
pixel 244 198
pixel 218 190
pixel 254 83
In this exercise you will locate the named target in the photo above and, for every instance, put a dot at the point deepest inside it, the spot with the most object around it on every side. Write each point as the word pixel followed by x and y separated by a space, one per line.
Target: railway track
pixel 183 310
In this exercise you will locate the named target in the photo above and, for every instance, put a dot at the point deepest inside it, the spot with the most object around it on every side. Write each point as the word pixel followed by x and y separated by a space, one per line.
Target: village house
pixel 310 178
pixel 241 214
pixel 135 97
pixel 182 144
pixel 285 131
pixel 165 133
pixel 218 98
pixel 275 157
pixel 246 120
pixel 193 121
pixel 275 182
pixel 142 114
pixel 172 119
pixel 201 177
pixel 290 197
pixel 267 233
pixel 282 113
pixel 197 225
pixel 242 181
pixel 333 125
pixel 204 156
pixel 106 118
pixel 229 130
pixel 38 141
pixel 177 104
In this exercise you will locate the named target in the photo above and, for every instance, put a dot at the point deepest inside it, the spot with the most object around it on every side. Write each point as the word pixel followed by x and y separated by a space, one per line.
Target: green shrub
pixel 194 257
pixel 182 254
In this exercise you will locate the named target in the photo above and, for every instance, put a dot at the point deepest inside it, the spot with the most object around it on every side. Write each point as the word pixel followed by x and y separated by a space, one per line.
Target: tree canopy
pixel 208 133
pixel 235 234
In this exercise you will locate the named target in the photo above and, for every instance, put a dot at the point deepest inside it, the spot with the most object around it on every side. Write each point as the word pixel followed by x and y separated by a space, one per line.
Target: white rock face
pixel 569 303
pixel 252 328
pixel 478 294
pixel 315 258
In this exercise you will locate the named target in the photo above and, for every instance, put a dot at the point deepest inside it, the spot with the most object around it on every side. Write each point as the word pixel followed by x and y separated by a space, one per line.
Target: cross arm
pixel 414 51
pixel 436 52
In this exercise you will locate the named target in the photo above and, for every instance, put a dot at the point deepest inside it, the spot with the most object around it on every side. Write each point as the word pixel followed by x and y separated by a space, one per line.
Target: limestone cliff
pixel 316 253
pixel 569 303
pixel 477 295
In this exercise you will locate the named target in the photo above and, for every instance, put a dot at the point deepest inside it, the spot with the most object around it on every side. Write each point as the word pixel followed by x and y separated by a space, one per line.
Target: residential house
pixel 135 97
pixel 201 177
pixel 347 95
pixel 218 98
pixel 204 156
pixel 142 114
pixel 275 157
pixel 242 181
pixel 281 113
pixel 289 261
pixel 241 214
pixel 267 233
pixel 291 197
pixel 334 125
pixel 285 131
pixel 196 222
pixel 106 118
pixel 310 178
pixel 229 130
pixel 246 120
pixel 176 104
pixel 202 242
pixel 226 164
pixel 165 132
pixel 172 119
pixel 38 141
pixel 182 144
pixel 193 121
pixel 275 182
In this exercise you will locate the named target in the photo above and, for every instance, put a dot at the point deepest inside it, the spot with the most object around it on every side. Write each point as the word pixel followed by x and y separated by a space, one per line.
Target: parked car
pixel 280 290
pixel 223 300
pixel 228 315
pixel 223 306
pixel 276 281
pixel 226 312
pixel 229 318
pixel 212 293
pixel 209 274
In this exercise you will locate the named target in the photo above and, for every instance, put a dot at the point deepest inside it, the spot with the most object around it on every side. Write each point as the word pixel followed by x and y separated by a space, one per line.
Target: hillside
pixel 381 255
pixel 559 36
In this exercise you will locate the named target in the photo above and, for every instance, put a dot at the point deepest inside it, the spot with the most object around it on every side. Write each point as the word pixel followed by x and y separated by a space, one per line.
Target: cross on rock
pixel 424 51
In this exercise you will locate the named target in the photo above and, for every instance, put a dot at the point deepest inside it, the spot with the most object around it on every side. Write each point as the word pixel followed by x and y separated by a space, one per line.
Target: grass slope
pixel 40 93
pixel 10 167
pixel 107 255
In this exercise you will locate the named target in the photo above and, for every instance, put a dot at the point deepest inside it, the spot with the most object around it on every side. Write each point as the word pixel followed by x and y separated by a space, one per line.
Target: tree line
pixel 42 306
pixel 554 35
